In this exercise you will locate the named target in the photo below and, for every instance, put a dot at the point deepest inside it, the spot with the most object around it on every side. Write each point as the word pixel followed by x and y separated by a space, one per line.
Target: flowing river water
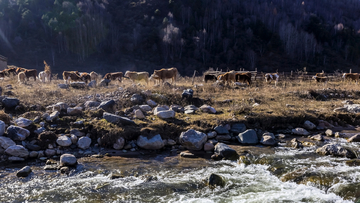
pixel 277 174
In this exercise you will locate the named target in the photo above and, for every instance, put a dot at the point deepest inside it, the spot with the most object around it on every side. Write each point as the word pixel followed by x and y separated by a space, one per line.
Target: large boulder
pixel 160 108
pixel 151 103
pixel 115 119
pixel 309 125
pixel 24 172
pixel 192 139
pixel 60 106
pixel 64 141
pixel 237 128
pixel 300 131
pixel 18 151
pixel 10 103
pixel 215 180
pixel 138 114
pixel 107 106
pixel 17 133
pixel 225 151
pixel 137 99
pixel 268 140
pixel 84 142
pixel 153 143
pixel 221 130
pixel 335 150
pixel 76 111
pixel 23 122
pixel 2 128
pixel 91 104
pixel 68 160
pixel 207 109
pixel 53 116
pixel 165 114
pixel 248 137
pixel 6 142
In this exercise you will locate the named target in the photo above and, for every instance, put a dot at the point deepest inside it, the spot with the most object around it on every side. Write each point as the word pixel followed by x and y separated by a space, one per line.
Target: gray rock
pixel 33 154
pixel 192 139
pixel 300 131
pixel 177 108
pixel 39 130
pixel 64 141
pixel 77 132
pixel 31 146
pixel 207 109
pixel 84 143
pixel 215 180
pixel 119 144
pixel 53 116
pixel 211 134
pixel 309 125
pixel 24 172
pixel 92 83
pixel 91 104
pixel 248 137
pixel 60 106
pixel 225 151
pixel 15 159
pixel 10 103
pixel 137 99
pixel 153 143
pixel 335 150
pixel 18 151
pixel 63 86
pixel 78 85
pixel 237 128
pixel 221 130
pixel 6 142
pixel 107 106
pixel 151 103
pixel 17 133
pixel 160 108
pixel 317 137
pixel 73 139
pixel 208 146
pixel 223 137
pixel 268 140
pixel 23 122
pixel 165 114
pixel 115 119
pixel 191 107
pixel 104 82
pixel 138 114
pixel 145 108
pixel 50 152
pixel 68 160
pixel 355 138
pixel 76 111
pixel 2 128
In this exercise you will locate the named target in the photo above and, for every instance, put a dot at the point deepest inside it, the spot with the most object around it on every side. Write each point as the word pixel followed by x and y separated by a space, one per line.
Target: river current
pixel 280 175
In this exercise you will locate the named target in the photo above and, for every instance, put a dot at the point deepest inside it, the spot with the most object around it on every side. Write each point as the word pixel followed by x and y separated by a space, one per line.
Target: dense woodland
pixel 112 35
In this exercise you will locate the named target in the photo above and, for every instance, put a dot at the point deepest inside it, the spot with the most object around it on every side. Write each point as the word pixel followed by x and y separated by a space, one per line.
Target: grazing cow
pixel 133 76
pixel 71 76
pixel 114 76
pixel 2 74
pixel 21 77
pixel 30 73
pixel 243 78
pixel 11 69
pixel 321 79
pixel 228 77
pixel 155 79
pixel 351 77
pixel 44 77
pixel 270 77
pixel 320 75
pixel 209 77
pixel 94 75
pixel 18 70
pixel 165 74
pixel 85 77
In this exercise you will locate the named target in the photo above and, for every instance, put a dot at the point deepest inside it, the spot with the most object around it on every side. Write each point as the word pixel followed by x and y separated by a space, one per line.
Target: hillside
pixel 109 35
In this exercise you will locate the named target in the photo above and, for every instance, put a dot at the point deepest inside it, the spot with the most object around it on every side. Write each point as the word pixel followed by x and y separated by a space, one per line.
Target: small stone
pixel 119 144
pixel 33 154
pixel 68 160
pixel 300 131
pixel 309 125
pixel 23 122
pixel 84 142
pixel 211 134
pixel 24 172
pixel 64 141
pixel 50 152
pixel 329 133
pixel 138 114
pixel 317 137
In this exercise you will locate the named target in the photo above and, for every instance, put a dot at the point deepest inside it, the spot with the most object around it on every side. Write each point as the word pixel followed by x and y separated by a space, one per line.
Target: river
pixel 277 174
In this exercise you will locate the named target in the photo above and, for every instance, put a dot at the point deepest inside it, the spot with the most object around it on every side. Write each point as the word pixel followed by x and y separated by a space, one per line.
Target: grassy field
pixel 261 105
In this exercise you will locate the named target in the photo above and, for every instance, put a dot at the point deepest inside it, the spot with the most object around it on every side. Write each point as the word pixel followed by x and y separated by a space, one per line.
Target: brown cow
pixel 228 77
pixel 243 78
pixel 209 77
pixel 2 74
pixel 321 79
pixel 351 77
pixel 11 69
pixel 270 77
pixel 18 70
pixel 320 74
pixel 21 77
pixel 85 77
pixel 30 73
pixel 165 74
pixel 132 75
pixel 71 76
pixel 94 75
pixel 114 76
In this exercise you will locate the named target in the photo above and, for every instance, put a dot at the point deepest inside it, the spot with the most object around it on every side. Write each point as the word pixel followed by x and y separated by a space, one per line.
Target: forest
pixel 143 35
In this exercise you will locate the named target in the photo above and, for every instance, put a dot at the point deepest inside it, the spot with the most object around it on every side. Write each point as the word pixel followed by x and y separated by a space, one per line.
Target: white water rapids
pixel 181 180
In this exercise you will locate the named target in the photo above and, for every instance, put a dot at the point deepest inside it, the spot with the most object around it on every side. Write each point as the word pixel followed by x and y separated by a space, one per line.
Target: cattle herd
pixel 159 76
